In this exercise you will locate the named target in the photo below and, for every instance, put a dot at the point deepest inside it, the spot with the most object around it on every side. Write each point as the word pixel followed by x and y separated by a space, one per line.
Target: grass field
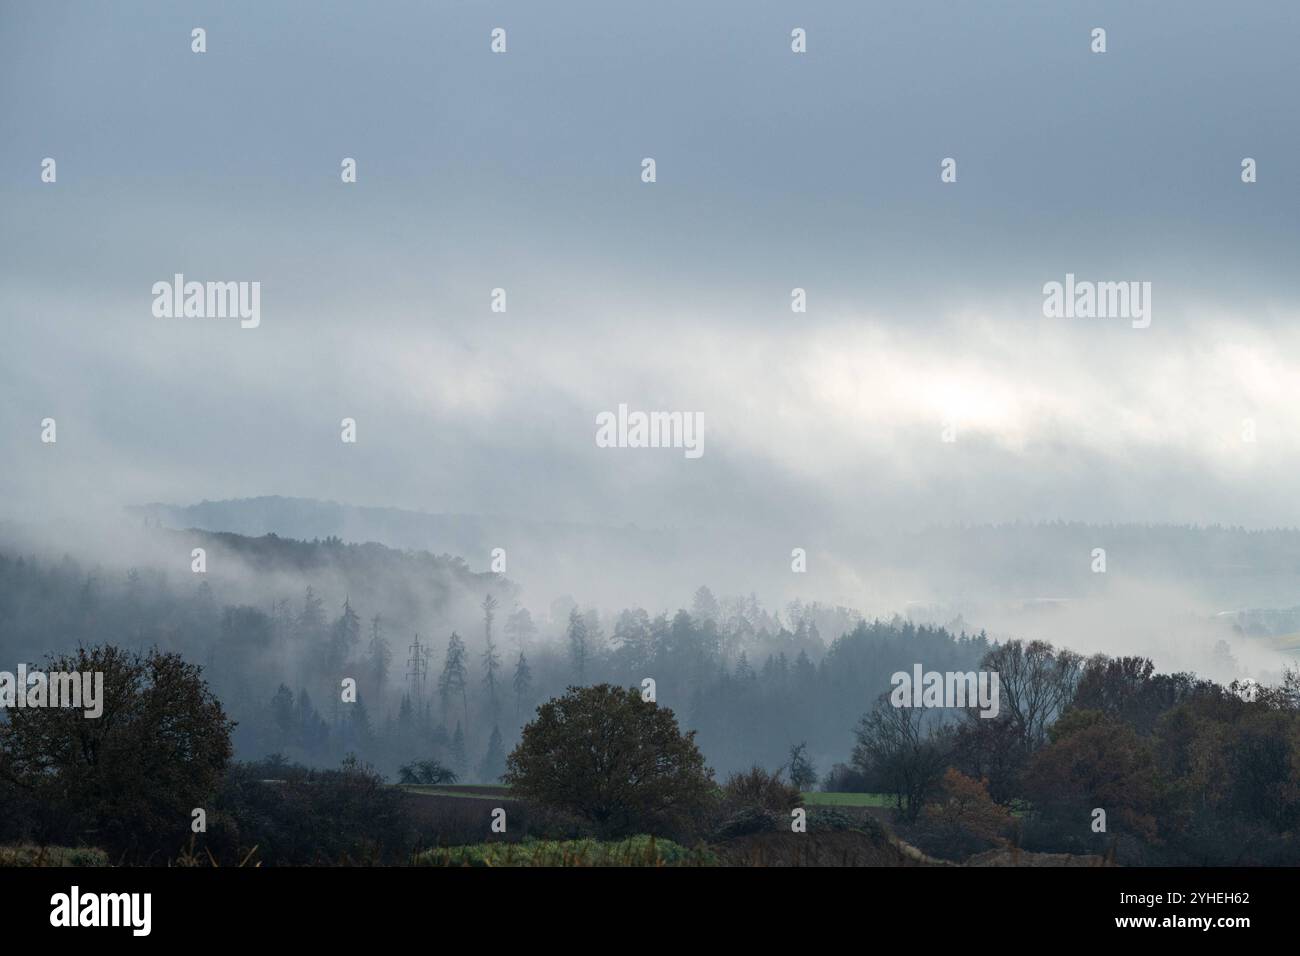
pixel 848 800
pixel 474 790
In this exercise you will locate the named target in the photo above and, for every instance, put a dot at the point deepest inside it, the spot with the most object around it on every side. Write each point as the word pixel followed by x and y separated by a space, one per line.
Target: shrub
pixel 822 819
pixel 752 801
pixel 756 787
pixel 306 817
pixel 845 779
pixel 746 821
pixel 426 772
pixel 962 820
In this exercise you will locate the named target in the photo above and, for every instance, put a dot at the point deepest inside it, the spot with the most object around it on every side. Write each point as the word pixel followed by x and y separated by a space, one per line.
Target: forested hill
pixel 277 623
pixel 1223 568
pixel 161 591
pixel 308 518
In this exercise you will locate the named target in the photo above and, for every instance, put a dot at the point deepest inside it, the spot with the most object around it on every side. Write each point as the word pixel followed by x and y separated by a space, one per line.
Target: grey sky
pixel 775 170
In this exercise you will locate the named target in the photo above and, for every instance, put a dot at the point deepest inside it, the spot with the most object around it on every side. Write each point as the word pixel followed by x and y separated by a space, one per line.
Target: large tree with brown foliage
pixel 1095 760
pixel 129 779
pixel 612 758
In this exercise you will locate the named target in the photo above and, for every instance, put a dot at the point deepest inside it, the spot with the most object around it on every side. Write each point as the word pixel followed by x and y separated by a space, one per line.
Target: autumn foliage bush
pixel 963 819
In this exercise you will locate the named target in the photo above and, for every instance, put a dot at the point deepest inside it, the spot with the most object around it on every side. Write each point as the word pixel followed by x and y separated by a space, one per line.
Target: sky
pixel 774 170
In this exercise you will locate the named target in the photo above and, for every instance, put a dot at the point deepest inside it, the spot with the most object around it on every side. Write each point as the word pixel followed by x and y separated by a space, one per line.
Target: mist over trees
pixel 439 679
pixel 1233 567
pixel 450 667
